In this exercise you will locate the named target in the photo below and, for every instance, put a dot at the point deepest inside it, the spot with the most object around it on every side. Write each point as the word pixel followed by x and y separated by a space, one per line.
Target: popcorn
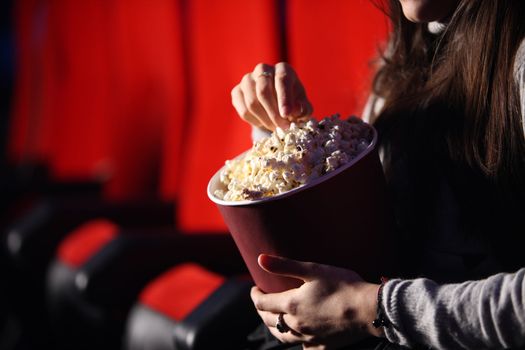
pixel 292 158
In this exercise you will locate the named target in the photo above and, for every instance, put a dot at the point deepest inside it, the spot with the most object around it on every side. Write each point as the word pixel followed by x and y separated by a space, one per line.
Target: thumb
pixel 305 271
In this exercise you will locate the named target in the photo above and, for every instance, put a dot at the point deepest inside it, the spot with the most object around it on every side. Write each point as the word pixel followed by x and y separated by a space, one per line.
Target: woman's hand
pixel 271 96
pixel 334 306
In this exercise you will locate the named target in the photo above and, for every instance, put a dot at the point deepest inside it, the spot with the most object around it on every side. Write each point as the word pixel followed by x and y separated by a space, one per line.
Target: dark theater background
pixel 114 115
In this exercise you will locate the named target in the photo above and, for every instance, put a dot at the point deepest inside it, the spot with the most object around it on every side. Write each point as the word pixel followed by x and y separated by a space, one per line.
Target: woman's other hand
pixel 334 306
pixel 271 96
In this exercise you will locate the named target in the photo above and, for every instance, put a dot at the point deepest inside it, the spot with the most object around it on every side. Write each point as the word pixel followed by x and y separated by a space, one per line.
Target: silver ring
pixel 281 326
pixel 266 74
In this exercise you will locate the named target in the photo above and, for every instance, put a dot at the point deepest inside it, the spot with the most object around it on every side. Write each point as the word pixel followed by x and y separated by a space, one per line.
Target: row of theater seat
pixel 135 95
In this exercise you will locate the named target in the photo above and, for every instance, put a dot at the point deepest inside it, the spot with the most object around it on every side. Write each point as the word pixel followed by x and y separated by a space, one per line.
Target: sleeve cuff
pixel 393 332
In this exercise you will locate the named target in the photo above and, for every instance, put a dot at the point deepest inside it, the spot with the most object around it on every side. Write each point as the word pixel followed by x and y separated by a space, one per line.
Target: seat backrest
pixel 175 126
pixel 227 39
pixel 149 94
pixel 17 151
pixel 332 44
pixel 96 84
pixel 30 122
pixel 69 102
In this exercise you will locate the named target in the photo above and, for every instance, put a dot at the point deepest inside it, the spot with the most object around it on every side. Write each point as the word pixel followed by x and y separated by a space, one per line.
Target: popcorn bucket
pixel 341 219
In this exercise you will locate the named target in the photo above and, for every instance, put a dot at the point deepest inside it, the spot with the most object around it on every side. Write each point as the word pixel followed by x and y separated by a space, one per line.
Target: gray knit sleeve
pixel 486 314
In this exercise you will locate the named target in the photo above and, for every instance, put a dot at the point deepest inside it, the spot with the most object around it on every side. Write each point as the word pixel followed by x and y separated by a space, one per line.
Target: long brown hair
pixel 466 73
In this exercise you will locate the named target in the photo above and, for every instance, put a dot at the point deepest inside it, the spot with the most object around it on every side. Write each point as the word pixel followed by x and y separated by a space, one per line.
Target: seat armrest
pixel 32 239
pixel 222 321
pixel 115 275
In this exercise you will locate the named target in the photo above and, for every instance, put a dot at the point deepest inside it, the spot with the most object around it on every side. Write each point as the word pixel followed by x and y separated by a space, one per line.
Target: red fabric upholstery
pixel 19 122
pixel 97 82
pixel 85 241
pixel 331 44
pixel 33 116
pixel 148 92
pixel 177 100
pixel 76 107
pixel 177 292
pixel 227 38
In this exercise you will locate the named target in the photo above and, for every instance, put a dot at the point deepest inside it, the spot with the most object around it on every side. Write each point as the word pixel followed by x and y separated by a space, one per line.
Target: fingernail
pixel 285 111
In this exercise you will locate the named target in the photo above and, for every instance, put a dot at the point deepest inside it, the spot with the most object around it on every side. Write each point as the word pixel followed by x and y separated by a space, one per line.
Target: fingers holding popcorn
pixel 271 97
pixel 265 92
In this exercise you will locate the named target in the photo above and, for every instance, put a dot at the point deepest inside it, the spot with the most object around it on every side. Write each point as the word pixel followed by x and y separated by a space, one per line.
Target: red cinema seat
pixel 27 51
pixel 98 81
pixel 228 38
pixel 149 93
pixel 94 91
pixel 332 44
pixel 32 115
pixel 62 101
pixel 107 78
pixel 189 307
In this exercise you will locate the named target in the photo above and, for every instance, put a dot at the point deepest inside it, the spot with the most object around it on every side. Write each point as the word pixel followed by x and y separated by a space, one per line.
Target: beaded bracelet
pixel 381 319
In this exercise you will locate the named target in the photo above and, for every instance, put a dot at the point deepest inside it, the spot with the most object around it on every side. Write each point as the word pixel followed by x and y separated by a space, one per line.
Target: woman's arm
pixel 473 315
pixel 335 306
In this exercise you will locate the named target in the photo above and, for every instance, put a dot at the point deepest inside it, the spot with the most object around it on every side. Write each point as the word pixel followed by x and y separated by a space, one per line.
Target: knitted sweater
pixel 485 314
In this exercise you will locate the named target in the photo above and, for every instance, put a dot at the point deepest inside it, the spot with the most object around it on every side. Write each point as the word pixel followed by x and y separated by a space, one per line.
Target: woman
pixel 448 103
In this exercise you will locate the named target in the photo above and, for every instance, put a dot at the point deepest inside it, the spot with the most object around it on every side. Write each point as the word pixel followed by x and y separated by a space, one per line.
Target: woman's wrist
pixel 371 293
